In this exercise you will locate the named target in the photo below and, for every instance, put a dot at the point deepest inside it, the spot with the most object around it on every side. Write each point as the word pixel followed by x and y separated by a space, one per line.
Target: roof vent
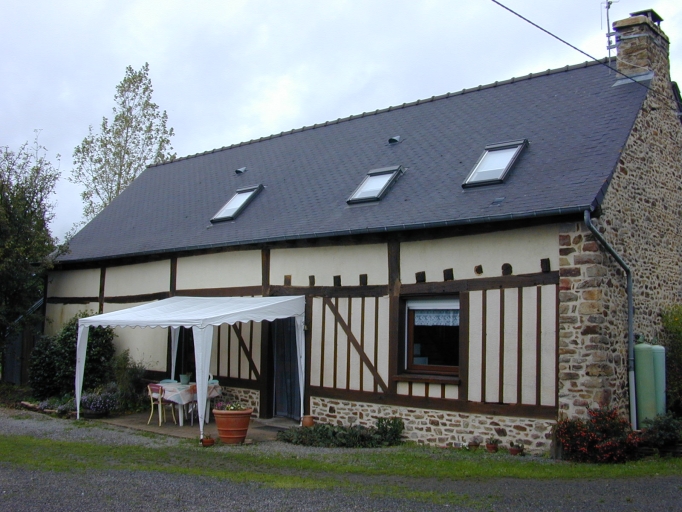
pixel 396 139
pixel 241 170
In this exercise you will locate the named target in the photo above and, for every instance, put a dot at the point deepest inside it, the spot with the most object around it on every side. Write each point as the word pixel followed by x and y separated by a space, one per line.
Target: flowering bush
pixel 229 406
pixel 99 402
pixel 604 437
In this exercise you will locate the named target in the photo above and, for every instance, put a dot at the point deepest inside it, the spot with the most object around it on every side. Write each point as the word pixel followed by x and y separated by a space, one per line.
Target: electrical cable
pixel 585 53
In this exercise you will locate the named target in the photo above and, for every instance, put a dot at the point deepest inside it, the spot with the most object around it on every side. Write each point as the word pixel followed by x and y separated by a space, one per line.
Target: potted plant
pixel 492 444
pixel 232 420
pixel 516 448
pixel 207 441
pixel 474 443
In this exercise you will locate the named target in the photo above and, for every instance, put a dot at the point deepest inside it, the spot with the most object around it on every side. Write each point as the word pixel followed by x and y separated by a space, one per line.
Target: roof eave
pixel 553 212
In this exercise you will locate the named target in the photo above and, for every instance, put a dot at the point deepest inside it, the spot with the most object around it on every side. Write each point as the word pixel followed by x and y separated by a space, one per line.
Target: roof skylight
pixel 495 163
pixel 375 184
pixel 237 203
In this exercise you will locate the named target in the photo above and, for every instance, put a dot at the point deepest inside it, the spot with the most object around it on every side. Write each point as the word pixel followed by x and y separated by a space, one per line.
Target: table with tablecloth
pixel 182 394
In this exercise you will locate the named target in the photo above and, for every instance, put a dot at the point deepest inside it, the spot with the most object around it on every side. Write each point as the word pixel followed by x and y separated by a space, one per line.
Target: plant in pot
pixel 207 441
pixel 492 444
pixel 516 448
pixel 662 433
pixel 232 419
pixel 474 443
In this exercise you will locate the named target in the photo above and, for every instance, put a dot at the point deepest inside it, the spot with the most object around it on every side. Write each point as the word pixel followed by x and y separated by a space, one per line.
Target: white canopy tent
pixel 202 314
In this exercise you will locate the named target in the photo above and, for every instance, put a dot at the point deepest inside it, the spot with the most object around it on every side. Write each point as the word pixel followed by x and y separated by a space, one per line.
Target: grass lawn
pixel 398 471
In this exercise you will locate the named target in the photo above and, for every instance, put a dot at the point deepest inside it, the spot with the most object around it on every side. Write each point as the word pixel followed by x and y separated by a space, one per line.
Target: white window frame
pixel 357 197
pixel 474 178
pixel 237 203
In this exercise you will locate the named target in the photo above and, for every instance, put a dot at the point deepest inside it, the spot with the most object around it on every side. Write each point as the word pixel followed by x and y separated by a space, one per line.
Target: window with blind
pixel 432 336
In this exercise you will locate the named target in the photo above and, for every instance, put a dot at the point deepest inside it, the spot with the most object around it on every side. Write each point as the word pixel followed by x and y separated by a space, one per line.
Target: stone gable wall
pixel 641 218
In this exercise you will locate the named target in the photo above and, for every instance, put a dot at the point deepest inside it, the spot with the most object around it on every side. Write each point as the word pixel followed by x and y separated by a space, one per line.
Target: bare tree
pixel 108 161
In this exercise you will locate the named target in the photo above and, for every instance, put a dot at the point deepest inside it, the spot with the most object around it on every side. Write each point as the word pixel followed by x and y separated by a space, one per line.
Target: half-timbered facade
pixel 468 305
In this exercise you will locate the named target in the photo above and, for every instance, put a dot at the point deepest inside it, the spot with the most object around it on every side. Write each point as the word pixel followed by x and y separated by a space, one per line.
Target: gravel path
pixel 27 490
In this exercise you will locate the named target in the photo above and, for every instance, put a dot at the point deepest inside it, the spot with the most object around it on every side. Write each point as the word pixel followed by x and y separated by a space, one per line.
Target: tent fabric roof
pixel 574 118
pixel 201 312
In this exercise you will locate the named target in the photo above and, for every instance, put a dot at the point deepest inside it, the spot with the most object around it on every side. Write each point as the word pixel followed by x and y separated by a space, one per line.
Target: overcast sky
pixel 230 71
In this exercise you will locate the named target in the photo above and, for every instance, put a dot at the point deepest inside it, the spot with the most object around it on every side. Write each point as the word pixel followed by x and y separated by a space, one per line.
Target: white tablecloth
pixel 182 394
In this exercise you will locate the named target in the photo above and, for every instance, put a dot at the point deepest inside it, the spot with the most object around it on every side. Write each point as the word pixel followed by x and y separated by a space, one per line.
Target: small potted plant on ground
pixel 516 448
pixel 207 441
pixel 492 444
pixel 232 419
pixel 474 443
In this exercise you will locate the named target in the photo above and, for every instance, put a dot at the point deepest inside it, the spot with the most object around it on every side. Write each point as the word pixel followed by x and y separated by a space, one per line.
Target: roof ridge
pixel 477 88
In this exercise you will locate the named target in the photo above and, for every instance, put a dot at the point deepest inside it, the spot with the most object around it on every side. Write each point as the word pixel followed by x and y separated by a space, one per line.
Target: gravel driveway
pixel 24 490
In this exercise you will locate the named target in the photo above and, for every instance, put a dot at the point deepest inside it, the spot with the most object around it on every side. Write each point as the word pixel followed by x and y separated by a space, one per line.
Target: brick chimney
pixel 642 45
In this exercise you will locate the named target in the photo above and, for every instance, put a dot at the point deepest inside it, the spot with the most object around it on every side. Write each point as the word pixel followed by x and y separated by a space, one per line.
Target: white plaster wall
pixel 523 250
pixel 548 340
pixel 382 364
pixel 58 314
pixel 73 283
pixel 137 279
pixel 221 270
pixel 316 342
pixel 326 262
pixel 492 383
pixel 511 339
pixel 529 345
pixel 475 345
pixel 146 345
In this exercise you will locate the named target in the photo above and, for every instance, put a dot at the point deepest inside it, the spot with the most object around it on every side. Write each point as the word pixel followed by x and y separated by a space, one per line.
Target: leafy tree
pixel 108 161
pixel 27 181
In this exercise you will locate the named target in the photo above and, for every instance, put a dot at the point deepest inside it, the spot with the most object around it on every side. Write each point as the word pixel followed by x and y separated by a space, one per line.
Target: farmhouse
pixel 463 259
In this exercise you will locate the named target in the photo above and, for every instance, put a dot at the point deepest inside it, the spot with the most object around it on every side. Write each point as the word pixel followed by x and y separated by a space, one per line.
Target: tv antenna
pixel 609 43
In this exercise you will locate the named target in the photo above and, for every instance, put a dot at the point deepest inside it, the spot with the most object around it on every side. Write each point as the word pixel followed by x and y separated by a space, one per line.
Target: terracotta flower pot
pixel 473 446
pixel 232 425
pixel 492 448
pixel 307 421
pixel 515 450
pixel 206 442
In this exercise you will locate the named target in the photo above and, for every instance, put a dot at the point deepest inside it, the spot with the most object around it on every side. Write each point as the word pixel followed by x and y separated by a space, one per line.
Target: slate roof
pixel 576 123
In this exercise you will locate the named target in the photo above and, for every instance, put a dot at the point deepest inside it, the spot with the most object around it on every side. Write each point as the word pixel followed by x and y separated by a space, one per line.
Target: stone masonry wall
pixel 592 359
pixel 640 217
pixel 438 428
pixel 248 397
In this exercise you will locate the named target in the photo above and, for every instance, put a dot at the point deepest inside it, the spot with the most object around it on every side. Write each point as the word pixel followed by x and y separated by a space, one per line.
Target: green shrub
pixel 387 433
pixel 131 388
pixel 662 431
pixel 52 370
pixel 604 437
pixel 672 336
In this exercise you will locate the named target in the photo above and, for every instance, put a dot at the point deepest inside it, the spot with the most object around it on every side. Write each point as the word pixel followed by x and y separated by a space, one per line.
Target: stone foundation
pixel 249 397
pixel 438 428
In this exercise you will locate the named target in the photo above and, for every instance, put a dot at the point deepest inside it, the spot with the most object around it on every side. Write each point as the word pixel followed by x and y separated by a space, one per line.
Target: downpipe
pixel 631 314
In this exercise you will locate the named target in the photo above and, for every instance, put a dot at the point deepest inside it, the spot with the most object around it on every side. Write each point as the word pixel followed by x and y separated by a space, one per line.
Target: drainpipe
pixel 631 314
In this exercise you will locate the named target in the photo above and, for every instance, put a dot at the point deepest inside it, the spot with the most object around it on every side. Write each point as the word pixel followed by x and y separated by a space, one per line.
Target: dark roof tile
pixel 575 121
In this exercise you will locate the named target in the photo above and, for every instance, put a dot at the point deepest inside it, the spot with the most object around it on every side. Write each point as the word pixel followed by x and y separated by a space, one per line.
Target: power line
pixel 581 51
